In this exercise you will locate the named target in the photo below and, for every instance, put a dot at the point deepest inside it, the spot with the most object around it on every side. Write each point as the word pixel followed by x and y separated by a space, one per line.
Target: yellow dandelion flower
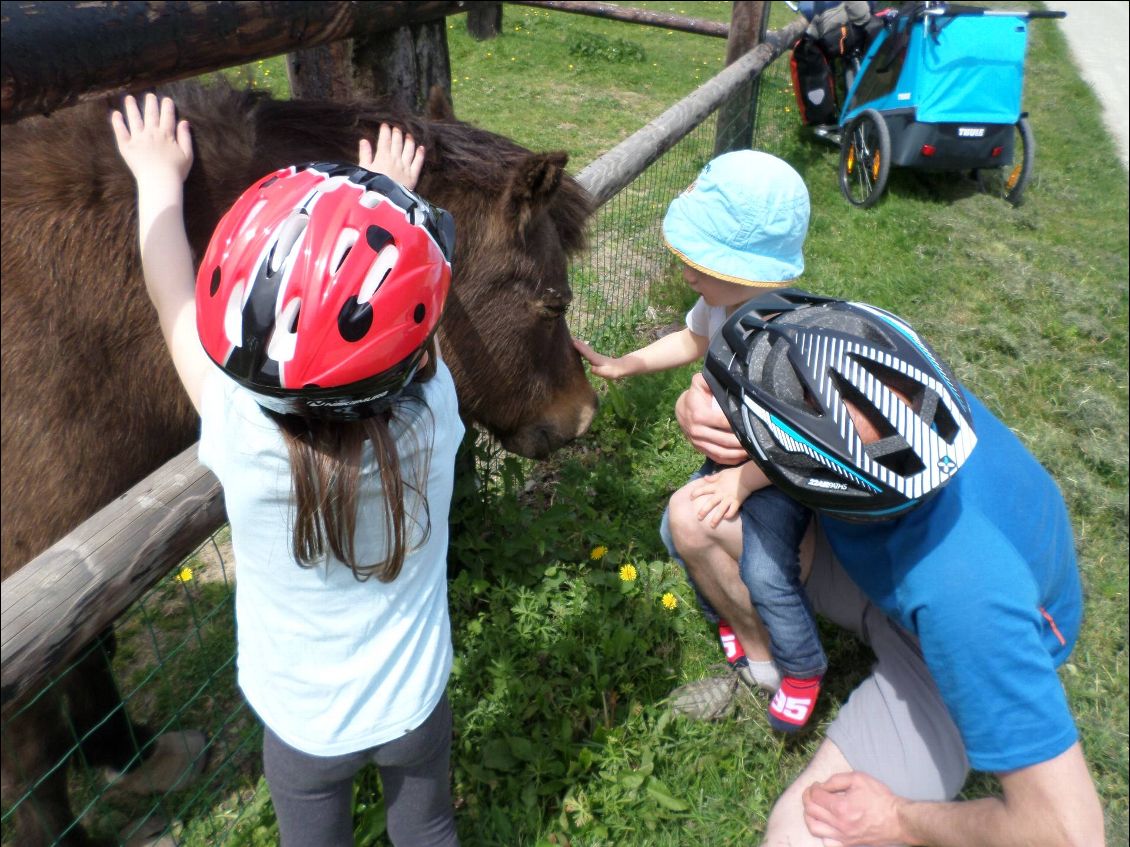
pixel 628 573
pixel 598 552
pixel 669 601
pixel 184 575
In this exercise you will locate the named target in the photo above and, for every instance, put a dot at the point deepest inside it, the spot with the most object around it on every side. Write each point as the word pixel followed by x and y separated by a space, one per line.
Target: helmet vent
pixel 214 285
pixel 861 405
pixel 418 314
pixel 378 273
pixel 289 234
pixel 944 423
pixel 345 241
pixel 377 237
pixel 895 455
pixel 284 337
pixel 233 316
pixel 354 320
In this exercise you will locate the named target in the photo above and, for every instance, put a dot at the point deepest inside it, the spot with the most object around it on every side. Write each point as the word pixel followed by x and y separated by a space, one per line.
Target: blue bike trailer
pixel 940 89
pixel 948 69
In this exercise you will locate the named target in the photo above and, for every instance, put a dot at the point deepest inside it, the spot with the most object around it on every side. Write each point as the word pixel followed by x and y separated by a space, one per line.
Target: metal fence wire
pixel 174 655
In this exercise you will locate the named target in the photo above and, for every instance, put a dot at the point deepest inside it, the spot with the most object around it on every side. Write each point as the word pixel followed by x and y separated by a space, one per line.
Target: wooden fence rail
pixel 50 59
pixel 634 16
pixel 606 176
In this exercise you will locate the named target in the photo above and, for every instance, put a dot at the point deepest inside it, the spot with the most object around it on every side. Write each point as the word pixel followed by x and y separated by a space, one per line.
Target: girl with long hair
pixel 306 344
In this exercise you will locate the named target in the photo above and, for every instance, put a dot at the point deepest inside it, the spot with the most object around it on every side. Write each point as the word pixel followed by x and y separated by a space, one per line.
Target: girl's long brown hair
pixel 326 476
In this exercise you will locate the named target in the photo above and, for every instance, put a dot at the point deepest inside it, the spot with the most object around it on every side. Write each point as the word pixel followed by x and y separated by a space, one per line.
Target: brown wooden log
pixel 606 176
pixel 56 603
pixel 734 130
pixel 484 21
pixel 324 72
pixel 635 16
pixel 58 53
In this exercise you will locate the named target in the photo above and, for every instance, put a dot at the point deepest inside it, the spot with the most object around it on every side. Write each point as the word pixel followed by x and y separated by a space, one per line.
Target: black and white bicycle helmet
pixel 782 368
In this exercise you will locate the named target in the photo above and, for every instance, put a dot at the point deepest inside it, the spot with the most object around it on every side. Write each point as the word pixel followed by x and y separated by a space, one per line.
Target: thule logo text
pixel 970 132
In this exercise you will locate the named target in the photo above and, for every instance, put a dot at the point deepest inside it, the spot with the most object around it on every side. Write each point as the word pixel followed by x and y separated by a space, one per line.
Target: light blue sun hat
pixel 743 220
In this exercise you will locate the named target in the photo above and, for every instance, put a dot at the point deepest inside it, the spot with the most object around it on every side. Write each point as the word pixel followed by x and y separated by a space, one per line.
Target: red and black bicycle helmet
pixel 321 287
pixel 782 368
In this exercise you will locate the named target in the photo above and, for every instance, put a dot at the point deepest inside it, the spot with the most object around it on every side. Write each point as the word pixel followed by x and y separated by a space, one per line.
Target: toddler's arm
pixel 670 351
pixel 720 495
pixel 157 149
pixel 395 155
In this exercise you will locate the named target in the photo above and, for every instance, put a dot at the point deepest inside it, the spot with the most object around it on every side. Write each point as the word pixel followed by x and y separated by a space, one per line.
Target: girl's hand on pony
pixel 720 495
pixel 155 146
pixel 396 156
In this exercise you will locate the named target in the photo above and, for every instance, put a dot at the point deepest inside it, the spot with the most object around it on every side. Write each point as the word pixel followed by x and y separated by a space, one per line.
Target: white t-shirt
pixel 704 319
pixel 333 665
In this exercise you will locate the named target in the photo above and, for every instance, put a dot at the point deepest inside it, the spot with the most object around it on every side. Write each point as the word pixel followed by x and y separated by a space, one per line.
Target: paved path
pixel 1096 32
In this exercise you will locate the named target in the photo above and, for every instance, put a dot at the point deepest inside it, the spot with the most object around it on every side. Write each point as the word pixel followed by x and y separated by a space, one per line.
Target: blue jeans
pixel 773 525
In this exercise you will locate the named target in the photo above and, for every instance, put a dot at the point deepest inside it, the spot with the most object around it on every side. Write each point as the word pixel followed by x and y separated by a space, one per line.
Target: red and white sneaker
pixel 731 646
pixel 794 703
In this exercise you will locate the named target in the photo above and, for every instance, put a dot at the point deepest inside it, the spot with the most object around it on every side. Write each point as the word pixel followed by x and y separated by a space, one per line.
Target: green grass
pixel 561 734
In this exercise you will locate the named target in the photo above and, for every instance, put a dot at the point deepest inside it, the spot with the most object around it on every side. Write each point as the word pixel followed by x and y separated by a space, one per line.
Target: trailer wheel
pixel 1010 180
pixel 865 159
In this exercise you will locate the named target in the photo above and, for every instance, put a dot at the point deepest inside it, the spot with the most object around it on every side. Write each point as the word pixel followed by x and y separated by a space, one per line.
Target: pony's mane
pixel 461 155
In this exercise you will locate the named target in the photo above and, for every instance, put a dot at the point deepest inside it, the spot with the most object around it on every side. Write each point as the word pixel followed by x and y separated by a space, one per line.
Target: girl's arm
pixel 158 151
pixel 670 351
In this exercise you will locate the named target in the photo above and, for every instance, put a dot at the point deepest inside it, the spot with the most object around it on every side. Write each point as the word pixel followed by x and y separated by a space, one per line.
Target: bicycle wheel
pixel 1009 181
pixel 865 159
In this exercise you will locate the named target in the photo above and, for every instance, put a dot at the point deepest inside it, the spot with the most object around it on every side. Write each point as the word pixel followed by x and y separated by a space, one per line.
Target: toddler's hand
pixel 603 366
pixel 155 146
pixel 719 496
pixel 396 156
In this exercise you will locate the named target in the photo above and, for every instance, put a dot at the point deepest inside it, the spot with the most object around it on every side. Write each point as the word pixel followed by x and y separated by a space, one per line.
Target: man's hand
pixel 395 155
pixel 853 809
pixel 705 426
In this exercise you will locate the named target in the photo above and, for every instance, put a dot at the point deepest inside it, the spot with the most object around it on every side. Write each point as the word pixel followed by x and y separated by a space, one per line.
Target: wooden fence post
pixel 324 72
pixel 484 21
pixel 736 117
pixel 403 64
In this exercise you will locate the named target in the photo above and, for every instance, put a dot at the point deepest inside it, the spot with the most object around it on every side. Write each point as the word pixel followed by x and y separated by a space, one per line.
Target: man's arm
pixel 705 426
pixel 1050 803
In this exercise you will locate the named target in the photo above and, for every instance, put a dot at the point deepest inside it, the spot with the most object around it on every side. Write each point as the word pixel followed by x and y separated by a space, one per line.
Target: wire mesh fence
pixel 173 653
pixel 627 275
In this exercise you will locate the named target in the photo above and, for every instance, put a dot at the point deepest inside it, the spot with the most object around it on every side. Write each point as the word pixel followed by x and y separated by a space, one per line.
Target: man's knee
pixel 786 824
pixel 688 533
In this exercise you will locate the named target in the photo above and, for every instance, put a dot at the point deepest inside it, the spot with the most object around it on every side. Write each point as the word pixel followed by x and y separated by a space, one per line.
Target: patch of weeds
pixel 592 45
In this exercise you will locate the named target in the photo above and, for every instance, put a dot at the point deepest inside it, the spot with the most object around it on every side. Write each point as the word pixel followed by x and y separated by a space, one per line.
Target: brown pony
pixel 91 403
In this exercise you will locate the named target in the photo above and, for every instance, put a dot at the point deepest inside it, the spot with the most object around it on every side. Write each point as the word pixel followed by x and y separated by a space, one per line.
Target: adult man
pixel 939 540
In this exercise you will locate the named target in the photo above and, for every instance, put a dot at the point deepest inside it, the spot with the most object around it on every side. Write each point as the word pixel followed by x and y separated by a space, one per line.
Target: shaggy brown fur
pixel 90 399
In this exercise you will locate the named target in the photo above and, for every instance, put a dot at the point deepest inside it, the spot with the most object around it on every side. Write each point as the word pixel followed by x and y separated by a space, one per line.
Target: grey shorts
pixel 894 726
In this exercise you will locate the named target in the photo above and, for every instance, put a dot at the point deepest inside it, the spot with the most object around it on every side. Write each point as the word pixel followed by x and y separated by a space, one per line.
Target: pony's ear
pixel 439 107
pixel 531 186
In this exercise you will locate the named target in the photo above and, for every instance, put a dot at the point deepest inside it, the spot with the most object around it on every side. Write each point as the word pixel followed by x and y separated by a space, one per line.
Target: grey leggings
pixel 313 795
